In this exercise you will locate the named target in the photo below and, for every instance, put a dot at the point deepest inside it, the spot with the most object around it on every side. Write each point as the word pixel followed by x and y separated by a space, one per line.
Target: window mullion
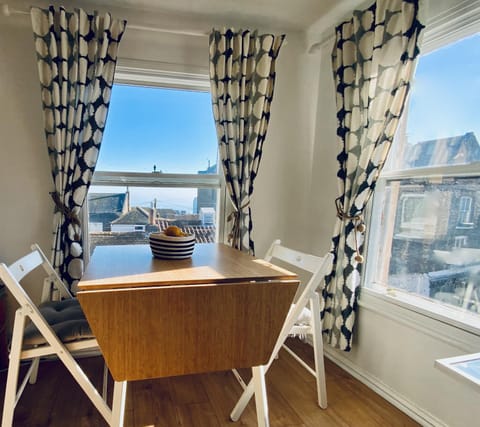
pixel 156 179
pixel 468 170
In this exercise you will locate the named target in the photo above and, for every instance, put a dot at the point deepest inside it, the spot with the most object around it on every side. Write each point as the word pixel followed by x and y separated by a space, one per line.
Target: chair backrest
pixel 315 265
pixel 318 266
pixel 52 279
pixel 13 274
pixel 296 258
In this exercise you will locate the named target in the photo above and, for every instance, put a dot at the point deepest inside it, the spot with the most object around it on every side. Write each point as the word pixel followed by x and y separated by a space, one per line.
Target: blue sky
pixel 172 129
pixel 445 95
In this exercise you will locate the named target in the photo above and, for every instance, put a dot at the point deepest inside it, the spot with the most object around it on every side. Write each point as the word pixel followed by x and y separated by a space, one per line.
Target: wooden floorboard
pixel 206 400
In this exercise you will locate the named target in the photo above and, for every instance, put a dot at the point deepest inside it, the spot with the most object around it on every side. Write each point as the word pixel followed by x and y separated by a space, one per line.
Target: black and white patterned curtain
pixel 373 62
pixel 242 77
pixel 76 56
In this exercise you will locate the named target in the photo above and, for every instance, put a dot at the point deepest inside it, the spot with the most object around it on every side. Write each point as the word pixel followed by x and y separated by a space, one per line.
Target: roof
pixel 104 218
pixel 203 234
pixel 454 150
pixel 134 216
pixel 99 203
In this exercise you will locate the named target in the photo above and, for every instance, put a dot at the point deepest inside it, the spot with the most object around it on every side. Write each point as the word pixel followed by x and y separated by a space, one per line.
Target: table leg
pixel 118 406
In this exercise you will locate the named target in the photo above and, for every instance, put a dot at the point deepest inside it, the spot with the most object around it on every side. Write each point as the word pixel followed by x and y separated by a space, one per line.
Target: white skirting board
pixel 403 404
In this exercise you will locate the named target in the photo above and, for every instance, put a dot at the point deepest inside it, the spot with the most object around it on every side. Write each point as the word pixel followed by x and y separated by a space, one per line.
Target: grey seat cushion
pixel 67 320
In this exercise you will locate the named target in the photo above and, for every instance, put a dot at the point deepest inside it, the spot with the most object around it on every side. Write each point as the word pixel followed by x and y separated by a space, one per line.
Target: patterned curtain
pixel 76 55
pixel 242 77
pixel 373 61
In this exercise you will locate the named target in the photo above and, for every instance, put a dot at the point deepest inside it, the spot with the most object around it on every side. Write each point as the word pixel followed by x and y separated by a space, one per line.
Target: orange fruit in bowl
pixel 174 231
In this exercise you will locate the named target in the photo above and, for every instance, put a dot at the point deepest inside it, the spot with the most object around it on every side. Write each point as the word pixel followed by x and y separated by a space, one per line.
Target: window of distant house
pixel 424 242
pixel 157 167
pixel 465 212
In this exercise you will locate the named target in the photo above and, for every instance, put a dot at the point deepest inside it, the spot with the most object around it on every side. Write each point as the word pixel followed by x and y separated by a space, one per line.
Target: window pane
pixel 430 240
pixel 425 235
pixel 155 138
pixel 156 129
pixel 442 124
pixel 119 216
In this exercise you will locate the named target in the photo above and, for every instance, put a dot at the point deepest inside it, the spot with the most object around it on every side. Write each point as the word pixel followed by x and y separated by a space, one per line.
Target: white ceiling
pixel 285 14
pixel 313 17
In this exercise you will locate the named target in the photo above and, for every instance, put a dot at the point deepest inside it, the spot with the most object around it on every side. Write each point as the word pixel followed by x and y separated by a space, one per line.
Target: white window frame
pixel 136 73
pixel 451 25
pixel 463 320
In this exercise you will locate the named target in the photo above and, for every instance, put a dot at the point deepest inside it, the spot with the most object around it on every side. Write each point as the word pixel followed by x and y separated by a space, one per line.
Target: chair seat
pixel 305 317
pixel 67 320
pixel 302 326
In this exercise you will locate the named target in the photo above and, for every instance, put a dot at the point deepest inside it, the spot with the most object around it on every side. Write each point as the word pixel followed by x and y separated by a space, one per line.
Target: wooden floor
pixel 206 400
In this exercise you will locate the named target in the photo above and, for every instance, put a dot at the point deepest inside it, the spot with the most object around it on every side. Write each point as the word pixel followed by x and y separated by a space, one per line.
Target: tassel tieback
pixel 67 212
pixel 235 232
pixel 358 223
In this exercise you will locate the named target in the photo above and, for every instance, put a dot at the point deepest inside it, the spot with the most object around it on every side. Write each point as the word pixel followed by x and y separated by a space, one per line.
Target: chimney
pixel 153 213
pixel 127 199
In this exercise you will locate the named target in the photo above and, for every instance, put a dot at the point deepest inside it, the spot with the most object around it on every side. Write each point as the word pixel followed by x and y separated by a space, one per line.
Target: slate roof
pixel 100 203
pixel 455 150
pixel 162 212
pixel 136 216
pixel 104 218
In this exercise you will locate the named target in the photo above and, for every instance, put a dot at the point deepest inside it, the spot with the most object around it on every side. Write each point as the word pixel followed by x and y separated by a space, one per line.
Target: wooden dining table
pixel 218 310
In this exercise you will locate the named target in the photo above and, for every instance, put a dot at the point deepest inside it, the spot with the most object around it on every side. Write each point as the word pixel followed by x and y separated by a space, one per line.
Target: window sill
pixel 464 368
pixel 448 324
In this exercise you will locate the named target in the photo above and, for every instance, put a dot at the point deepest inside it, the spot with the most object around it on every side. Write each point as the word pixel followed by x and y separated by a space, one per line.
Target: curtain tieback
pixel 235 217
pixel 358 223
pixel 67 212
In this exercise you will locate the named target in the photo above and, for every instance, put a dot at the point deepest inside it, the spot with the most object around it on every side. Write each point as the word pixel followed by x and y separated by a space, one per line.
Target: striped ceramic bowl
pixel 171 247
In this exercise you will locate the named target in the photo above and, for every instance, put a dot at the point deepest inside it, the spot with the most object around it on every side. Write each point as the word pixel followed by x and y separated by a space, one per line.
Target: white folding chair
pixel 57 328
pixel 303 318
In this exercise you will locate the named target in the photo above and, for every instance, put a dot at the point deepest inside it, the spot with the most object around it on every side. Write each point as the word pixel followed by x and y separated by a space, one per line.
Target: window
pixel 157 167
pixel 465 212
pixel 413 212
pixel 424 241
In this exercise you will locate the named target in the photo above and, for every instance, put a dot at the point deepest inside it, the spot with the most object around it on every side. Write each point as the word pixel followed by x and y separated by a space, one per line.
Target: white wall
pixel 281 196
pixel 323 184
pixel 25 179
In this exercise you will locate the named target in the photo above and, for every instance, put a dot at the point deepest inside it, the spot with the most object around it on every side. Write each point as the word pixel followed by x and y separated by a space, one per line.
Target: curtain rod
pixel 8 11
